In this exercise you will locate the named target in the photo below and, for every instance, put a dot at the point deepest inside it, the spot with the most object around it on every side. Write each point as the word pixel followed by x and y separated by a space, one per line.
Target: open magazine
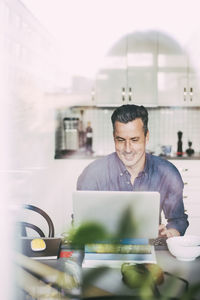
pixel 113 255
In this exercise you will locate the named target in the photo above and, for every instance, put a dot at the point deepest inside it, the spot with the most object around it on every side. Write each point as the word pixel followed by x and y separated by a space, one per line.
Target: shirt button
pixel 128 182
pixel 121 174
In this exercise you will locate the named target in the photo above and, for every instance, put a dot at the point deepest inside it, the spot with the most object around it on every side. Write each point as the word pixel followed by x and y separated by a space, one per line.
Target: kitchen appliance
pixel 71 133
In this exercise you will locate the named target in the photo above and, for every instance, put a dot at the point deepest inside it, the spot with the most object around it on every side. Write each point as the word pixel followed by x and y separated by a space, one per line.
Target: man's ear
pixel 147 136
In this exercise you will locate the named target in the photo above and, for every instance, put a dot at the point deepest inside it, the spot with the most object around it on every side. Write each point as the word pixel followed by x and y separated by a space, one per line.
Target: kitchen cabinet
pixel 193 92
pixel 178 83
pixel 149 68
pixel 130 72
pixel 193 49
pixel 190 172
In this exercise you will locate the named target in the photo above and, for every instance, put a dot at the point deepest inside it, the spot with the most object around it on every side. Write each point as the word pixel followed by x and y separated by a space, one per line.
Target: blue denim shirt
pixel 110 174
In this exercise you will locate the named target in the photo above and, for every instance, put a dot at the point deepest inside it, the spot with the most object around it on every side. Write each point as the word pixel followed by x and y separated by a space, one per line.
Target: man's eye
pixel 119 140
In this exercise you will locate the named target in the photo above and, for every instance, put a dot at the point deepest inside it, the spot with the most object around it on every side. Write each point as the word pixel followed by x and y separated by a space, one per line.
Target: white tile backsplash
pixel 172 120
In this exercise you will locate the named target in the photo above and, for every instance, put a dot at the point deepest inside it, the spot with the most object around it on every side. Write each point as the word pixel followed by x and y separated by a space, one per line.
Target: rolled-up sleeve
pixel 173 204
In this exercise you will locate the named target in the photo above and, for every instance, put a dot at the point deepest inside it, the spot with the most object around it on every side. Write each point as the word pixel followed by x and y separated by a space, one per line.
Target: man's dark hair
pixel 129 112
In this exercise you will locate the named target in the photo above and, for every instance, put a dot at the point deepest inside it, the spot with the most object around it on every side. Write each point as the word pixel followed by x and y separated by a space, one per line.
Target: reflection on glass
pixel 115 62
pixel 172 60
pixel 140 59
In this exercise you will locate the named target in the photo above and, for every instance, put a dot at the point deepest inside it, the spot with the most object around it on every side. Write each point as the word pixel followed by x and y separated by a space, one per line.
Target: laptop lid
pixel 109 207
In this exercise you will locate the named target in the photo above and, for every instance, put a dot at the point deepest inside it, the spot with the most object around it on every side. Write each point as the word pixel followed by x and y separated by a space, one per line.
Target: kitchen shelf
pixel 196 157
pixel 83 155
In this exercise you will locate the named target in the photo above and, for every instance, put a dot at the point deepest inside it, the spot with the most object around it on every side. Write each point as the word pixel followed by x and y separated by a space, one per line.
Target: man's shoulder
pixel 96 175
pixel 162 163
pixel 160 160
pixel 102 162
pixel 165 171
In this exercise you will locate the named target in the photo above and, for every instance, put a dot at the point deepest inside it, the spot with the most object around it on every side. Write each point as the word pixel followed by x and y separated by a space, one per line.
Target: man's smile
pixel 128 156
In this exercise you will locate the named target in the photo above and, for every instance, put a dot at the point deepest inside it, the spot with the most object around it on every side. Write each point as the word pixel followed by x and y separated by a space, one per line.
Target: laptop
pixel 109 209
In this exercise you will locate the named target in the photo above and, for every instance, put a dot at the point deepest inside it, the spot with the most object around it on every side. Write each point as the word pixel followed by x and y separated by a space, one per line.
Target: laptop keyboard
pixel 159 243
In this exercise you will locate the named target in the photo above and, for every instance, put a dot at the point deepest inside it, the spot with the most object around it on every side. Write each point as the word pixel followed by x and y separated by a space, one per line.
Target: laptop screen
pixel 115 209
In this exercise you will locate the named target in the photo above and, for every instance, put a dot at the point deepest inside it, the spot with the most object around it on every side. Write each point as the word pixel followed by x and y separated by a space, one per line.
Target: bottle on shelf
pixel 89 138
pixel 190 151
pixel 179 144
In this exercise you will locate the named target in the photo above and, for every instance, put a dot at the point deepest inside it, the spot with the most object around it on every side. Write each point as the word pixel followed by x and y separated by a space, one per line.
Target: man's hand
pixel 163 231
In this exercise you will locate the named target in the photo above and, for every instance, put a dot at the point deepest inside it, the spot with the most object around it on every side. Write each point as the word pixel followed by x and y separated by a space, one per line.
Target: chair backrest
pixel 38 210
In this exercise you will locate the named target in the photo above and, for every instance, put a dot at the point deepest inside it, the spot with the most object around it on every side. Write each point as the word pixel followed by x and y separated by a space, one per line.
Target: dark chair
pixel 25 225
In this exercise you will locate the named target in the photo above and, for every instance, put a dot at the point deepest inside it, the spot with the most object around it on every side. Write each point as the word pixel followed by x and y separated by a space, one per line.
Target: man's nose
pixel 127 146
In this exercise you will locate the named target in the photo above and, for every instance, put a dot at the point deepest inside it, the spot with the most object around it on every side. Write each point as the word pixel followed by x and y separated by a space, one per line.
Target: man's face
pixel 130 142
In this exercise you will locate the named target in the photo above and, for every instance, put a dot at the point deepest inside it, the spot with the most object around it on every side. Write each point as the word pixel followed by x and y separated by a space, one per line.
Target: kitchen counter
pixel 195 157
pixel 84 155
pixel 79 154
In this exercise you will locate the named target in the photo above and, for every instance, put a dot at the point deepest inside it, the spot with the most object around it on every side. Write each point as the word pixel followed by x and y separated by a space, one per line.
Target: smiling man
pixel 130 168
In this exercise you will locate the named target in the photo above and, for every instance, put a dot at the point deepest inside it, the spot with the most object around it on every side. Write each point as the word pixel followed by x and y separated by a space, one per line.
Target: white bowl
pixel 185 248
